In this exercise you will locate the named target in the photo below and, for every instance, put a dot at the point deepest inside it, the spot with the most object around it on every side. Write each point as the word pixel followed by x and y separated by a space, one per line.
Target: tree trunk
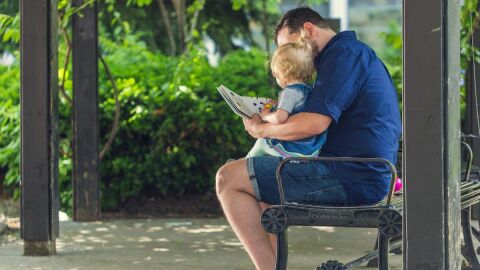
pixel 168 27
pixel 193 25
pixel 265 26
pixel 179 6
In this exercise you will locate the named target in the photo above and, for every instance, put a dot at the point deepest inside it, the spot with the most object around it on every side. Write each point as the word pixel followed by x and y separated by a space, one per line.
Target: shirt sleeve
pixel 339 76
pixel 289 98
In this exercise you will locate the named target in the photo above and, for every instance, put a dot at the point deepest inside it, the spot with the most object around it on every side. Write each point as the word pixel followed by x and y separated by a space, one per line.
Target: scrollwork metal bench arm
pixel 386 216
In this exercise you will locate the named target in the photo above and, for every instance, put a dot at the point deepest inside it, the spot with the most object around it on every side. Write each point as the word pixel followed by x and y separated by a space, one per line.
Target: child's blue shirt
pixel 306 147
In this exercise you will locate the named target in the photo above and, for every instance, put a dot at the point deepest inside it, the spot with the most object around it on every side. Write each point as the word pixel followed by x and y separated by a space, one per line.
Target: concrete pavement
pixel 180 244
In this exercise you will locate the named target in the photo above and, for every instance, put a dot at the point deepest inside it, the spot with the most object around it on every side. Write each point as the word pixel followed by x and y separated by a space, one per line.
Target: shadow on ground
pixel 180 244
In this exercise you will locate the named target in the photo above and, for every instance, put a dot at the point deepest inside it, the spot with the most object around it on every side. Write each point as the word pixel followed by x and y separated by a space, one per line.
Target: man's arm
pixel 298 126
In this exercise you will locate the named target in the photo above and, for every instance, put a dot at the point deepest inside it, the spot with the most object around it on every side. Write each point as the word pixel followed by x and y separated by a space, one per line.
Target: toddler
pixel 292 66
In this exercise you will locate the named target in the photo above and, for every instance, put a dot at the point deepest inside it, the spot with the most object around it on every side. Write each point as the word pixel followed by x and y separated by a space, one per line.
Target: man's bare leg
pixel 243 212
pixel 272 237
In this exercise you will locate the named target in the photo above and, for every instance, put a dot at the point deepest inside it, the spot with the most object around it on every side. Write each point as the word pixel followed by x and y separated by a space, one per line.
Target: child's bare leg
pixel 262 148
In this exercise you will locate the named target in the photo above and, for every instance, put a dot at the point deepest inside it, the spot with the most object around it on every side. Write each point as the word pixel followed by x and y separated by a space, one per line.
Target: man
pixel 354 98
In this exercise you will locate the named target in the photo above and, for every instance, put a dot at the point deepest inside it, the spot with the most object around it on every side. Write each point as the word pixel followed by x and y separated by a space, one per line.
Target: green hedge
pixel 175 130
pixel 10 128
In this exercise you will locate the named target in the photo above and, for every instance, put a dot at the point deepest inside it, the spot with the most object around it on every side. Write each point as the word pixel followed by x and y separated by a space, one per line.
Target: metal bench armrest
pixel 391 167
pixel 468 169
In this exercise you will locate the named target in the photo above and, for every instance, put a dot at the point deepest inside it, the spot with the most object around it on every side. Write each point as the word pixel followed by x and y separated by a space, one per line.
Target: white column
pixel 339 9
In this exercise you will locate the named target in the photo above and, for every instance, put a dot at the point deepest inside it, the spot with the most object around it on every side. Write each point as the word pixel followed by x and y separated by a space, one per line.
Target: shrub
pixel 10 128
pixel 176 131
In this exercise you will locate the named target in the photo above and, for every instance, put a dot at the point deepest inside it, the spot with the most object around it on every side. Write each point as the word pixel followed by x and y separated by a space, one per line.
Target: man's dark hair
pixel 295 18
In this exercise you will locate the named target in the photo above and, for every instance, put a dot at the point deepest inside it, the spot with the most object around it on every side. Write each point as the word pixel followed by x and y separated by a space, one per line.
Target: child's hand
pixel 265 111
pixel 272 102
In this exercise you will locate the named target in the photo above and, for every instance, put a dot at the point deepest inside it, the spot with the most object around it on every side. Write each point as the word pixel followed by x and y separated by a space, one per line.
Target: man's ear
pixel 309 29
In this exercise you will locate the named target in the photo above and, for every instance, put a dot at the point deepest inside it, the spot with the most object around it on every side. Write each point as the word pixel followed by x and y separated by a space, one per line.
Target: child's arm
pixel 277 117
pixel 289 97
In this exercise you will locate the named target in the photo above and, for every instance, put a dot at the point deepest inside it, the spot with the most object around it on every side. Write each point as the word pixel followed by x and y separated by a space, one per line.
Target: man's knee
pixel 221 179
pixel 232 176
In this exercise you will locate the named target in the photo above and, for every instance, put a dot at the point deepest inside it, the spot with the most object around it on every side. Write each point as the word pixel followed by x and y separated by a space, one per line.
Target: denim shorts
pixel 309 182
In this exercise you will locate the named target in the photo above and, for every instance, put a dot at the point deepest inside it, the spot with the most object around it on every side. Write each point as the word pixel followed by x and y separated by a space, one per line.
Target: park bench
pixel 386 216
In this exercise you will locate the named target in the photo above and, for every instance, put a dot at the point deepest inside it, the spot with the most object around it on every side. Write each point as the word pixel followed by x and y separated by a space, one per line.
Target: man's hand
pixel 253 126
pixel 297 126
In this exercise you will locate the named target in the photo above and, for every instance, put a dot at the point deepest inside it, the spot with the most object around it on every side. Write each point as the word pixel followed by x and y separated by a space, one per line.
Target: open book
pixel 241 105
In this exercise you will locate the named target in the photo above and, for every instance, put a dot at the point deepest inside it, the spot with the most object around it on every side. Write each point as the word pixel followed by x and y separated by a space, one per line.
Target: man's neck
pixel 325 35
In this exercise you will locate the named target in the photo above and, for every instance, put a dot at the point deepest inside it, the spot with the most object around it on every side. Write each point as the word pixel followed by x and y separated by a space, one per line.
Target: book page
pixel 254 104
pixel 232 105
pixel 243 104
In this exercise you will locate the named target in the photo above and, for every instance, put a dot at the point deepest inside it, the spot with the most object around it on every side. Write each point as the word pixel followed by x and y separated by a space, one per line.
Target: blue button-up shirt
pixel 354 88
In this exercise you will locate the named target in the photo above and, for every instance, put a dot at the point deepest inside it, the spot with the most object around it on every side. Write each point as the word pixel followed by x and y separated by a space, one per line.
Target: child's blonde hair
pixel 293 62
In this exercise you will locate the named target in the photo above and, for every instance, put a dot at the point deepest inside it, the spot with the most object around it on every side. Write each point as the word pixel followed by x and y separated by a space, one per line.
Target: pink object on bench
pixel 398 184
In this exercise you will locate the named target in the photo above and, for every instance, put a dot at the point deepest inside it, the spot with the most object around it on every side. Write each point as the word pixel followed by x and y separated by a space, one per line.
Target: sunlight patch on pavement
pixel 144 239
pixel 154 229
pixel 325 229
pixel 204 229
pixel 165 240
pixel 161 249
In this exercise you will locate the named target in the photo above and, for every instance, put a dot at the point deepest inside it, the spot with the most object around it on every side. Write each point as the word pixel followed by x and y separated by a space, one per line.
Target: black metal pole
pixel 39 145
pixel 431 134
pixel 86 203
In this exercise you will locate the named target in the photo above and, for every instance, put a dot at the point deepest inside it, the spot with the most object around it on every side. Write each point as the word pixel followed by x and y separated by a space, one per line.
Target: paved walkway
pixel 180 244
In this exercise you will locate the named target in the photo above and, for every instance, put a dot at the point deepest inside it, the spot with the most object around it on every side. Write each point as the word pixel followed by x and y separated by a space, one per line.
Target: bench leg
pixel 282 251
pixel 396 250
pixel 389 226
pixel 383 250
pixel 274 221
